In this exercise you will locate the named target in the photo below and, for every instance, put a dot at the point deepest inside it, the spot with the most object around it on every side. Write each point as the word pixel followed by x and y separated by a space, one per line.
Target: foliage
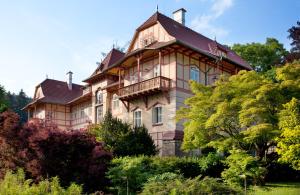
pixel 73 156
pixel 294 35
pixel 177 185
pixel 9 128
pixel 3 99
pixel 139 169
pixel 17 102
pixel 16 184
pixel 240 166
pixel 288 146
pixel 211 165
pixel 240 111
pixel 261 57
pixel 120 138
pixel 131 172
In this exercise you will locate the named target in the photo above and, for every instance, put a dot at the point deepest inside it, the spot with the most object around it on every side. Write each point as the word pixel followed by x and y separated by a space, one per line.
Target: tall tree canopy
pixel 17 102
pixel 289 141
pixel 294 35
pixel 3 99
pixel 240 111
pixel 261 56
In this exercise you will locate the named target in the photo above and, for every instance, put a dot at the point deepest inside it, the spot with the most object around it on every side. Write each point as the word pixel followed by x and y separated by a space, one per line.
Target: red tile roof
pixel 111 58
pixel 58 92
pixel 191 37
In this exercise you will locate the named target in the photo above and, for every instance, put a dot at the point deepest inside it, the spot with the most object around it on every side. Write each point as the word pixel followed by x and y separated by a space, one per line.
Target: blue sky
pixel 51 37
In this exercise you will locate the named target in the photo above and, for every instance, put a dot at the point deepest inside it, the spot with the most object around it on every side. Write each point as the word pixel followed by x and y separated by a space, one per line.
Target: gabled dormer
pixel 150 32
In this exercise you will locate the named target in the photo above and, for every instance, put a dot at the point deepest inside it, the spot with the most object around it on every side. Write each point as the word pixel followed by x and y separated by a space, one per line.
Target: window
pixel 99 97
pixel 156 71
pixel 115 101
pixel 99 114
pixel 194 74
pixel 82 113
pixel 137 118
pixel 157 115
pixel 133 79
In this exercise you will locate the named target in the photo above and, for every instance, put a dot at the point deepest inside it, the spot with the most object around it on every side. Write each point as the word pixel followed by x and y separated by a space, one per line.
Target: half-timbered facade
pixel 145 85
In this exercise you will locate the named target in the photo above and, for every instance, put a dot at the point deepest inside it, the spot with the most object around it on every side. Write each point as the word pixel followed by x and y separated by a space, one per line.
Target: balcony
pixel 145 88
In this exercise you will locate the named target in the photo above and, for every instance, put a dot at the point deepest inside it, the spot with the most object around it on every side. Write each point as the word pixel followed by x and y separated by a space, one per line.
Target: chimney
pixel 69 79
pixel 179 16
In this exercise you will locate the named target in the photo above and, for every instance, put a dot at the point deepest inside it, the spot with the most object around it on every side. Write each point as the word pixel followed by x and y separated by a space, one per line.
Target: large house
pixel 145 85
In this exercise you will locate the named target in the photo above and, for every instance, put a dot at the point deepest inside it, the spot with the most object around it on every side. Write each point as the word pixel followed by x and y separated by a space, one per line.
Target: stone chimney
pixel 179 16
pixel 69 79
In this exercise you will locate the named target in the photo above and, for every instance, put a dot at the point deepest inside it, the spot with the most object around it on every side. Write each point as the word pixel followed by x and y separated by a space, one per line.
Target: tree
pixel 3 99
pixel 122 139
pixel 239 112
pixel 262 57
pixel 17 102
pixel 9 143
pixel 294 35
pixel 288 146
pixel 73 156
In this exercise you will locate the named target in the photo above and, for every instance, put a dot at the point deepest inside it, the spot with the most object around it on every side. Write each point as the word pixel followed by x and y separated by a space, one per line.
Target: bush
pixel 15 184
pixel 121 139
pixel 174 185
pixel 137 170
pixel 73 156
pixel 131 172
pixel 240 166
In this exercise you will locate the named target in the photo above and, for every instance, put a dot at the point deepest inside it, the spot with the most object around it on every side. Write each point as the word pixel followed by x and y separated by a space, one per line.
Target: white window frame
pixel 115 102
pixel 99 115
pixel 195 74
pixel 157 115
pixel 137 118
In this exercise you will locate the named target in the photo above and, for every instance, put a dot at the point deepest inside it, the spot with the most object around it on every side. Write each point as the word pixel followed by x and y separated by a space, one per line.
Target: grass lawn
pixel 292 188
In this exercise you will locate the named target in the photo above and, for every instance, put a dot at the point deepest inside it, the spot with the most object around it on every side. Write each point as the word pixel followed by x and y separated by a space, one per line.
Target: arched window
pixel 194 74
pixel 115 101
pixel 99 97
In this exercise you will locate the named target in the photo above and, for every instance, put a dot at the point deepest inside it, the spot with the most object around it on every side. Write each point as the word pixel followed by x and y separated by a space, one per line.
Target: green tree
pixel 288 146
pixel 122 139
pixel 3 99
pixel 262 56
pixel 240 111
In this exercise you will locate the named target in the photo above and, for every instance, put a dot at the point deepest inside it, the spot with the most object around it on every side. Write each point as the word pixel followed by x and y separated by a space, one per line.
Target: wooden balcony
pixel 145 88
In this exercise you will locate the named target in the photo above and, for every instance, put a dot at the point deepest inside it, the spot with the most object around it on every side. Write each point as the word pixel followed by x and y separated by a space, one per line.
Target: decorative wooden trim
pixel 155 104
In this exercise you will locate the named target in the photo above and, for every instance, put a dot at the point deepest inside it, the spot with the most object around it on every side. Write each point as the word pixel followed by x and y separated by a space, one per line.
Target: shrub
pixel 242 165
pixel 16 184
pixel 211 165
pixel 131 172
pixel 9 128
pixel 121 139
pixel 73 156
pixel 174 185
pixel 137 170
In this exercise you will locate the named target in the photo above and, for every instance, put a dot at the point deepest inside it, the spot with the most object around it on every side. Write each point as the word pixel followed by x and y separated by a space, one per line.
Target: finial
pixel 157 8
pixel 215 38
pixel 46 76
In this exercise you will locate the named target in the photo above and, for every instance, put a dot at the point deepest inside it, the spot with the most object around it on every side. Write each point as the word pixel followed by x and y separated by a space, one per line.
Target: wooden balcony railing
pixel 146 87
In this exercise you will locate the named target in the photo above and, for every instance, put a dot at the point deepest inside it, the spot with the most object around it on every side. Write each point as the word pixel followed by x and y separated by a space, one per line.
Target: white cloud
pixel 205 23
